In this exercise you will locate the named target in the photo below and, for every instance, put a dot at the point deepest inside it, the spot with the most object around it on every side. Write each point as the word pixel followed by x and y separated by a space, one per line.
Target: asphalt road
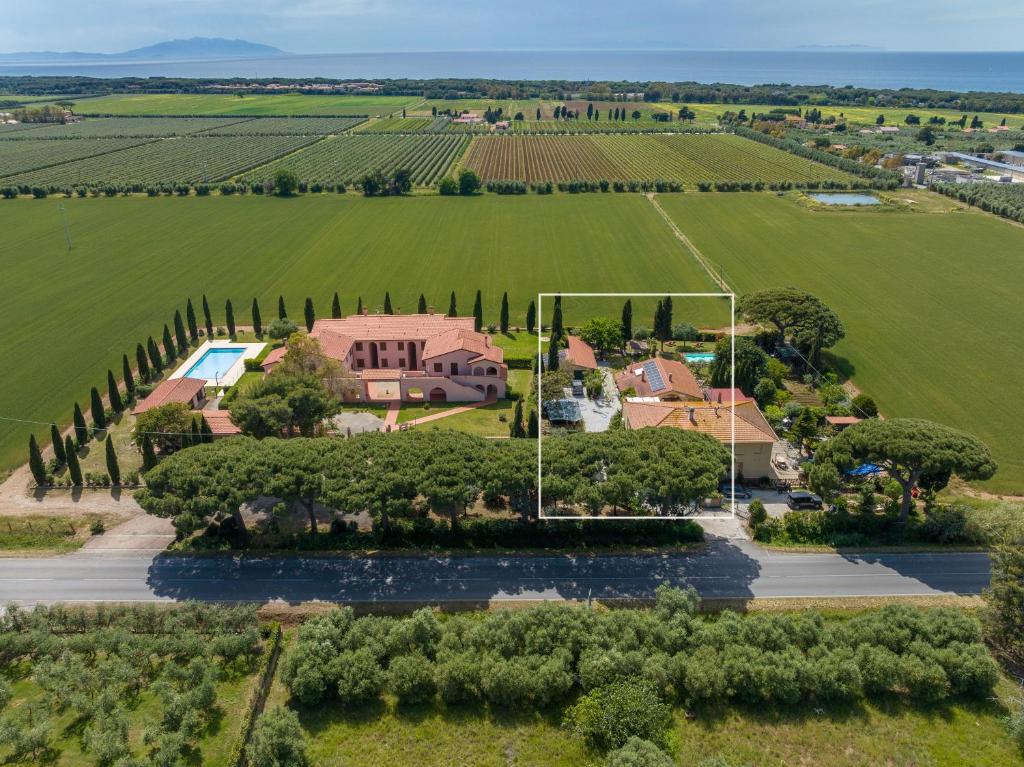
pixel 723 569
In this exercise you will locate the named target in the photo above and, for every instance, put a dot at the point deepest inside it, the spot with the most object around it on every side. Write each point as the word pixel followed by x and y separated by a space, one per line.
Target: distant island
pixel 172 50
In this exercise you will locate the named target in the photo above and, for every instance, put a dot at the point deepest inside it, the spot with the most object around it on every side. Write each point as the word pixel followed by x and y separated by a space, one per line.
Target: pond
pixel 846 199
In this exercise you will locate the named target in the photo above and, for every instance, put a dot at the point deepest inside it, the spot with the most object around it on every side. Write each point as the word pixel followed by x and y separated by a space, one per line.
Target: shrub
pixel 609 716
pixel 758 513
pixel 924 679
pixel 458 678
pixel 448 186
pixel 277 740
pixel 281 328
pixel 411 679
pixel 637 752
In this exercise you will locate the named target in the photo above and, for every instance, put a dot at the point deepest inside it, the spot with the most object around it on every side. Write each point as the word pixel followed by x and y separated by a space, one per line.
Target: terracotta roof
pixel 675 376
pixel 380 374
pixel 724 396
pixel 171 390
pixel 392 327
pixel 274 357
pixel 463 339
pixel 580 353
pixel 751 425
pixel 336 346
pixel 219 422
pixel 842 420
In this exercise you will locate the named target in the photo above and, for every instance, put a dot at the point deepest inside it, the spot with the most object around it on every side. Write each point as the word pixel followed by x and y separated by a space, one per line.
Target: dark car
pixel 577 388
pixel 734 491
pixel 800 499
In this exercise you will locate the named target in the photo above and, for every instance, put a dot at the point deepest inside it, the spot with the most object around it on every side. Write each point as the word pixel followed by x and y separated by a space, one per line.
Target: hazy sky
pixel 337 26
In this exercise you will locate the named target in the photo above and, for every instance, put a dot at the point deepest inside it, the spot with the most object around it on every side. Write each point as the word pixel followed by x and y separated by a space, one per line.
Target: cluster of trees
pixel 1006 200
pixel 99 663
pixel 379 184
pixel 798 317
pixel 467 184
pixel 407 474
pixel 539 657
pixel 268 187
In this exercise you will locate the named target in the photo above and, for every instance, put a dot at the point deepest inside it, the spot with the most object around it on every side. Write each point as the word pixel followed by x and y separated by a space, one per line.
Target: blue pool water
pixel 846 199
pixel 214 364
pixel 700 356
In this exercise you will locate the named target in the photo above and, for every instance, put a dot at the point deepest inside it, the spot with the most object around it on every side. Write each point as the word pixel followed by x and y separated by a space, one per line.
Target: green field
pixel 216 104
pixel 135 260
pixel 931 302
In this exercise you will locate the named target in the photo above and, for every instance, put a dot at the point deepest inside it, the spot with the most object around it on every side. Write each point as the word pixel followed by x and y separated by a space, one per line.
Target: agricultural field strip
pixel 345 158
pixel 25 156
pixel 168 127
pixel 397 125
pixel 174 160
pixel 688 158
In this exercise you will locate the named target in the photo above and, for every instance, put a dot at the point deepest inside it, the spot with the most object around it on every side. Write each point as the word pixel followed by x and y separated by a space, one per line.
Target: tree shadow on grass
pixel 843 367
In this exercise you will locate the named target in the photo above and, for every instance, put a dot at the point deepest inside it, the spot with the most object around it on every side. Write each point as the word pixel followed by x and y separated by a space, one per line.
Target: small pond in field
pixel 846 199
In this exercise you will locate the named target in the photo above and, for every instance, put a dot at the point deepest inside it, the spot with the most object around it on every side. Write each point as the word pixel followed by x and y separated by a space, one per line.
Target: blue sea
pixel 872 69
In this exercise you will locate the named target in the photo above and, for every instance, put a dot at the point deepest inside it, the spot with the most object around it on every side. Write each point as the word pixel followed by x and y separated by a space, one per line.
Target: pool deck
pixel 249 351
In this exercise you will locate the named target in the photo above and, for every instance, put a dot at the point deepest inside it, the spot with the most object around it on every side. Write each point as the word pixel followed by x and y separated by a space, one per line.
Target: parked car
pixel 801 499
pixel 729 490
pixel 577 388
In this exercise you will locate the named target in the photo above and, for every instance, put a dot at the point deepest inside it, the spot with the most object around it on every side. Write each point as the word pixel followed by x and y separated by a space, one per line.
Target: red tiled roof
pixel 335 345
pixel 580 353
pixel 380 374
pixel 724 396
pixel 219 422
pixel 392 327
pixel 751 425
pixel 676 376
pixel 171 390
pixel 463 339
pixel 274 357
pixel 842 420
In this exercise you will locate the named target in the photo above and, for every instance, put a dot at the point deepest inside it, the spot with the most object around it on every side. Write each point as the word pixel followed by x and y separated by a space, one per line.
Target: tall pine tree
pixel 359 306
pixel 128 376
pixel 421 308
pixel 533 428
pixel 206 317
pixel 282 313
pixel 190 318
pixel 516 429
pixel 99 415
pixel 627 320
pixel 57 442
pixel 35 462
pixel 553 352
pixel 503 317
pixel 142 363
pixel 531 317
pixel 196 436
pixel 169 349
pixel 148 453
pixel 309 313
pixel 387 303
pixel 229 317
pixel 336 307
pixel 556 319
pixel 113 467
pixel 257 321
pixel 179 334
pixel 114 394
pixel 205 430
pixel 81 430
pixel 74 467
pixel 478 312
pixel 452 309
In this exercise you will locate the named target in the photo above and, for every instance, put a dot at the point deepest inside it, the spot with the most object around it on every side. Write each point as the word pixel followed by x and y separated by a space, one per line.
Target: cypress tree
pixel 207 317
pixel 556 318
pixel 114 394
pixel 336 307
pixel 197 437
pixel 478 312
pixel 516 428
pixel 309 313
pixel 99 415
pixel 74 468
pixel 113 468
pixel 668 316
pixel 452 310
pixel 169 349
pixel 81 430
pixel 229 315
pixel 421 308
pixel 129 379
pixel 148 454
pixel 531 317
pixel 190 318
pixel 58 444
pixel 359 306
pixel 154 357
pixel 205 430
pixel 282 313
pixel 387 303
pixel 553 352
pixel 257 321
pixel 35 461
pixel 533 428
pixel 142 364
pixel 179 333
pixel 503 317
pixel 627 319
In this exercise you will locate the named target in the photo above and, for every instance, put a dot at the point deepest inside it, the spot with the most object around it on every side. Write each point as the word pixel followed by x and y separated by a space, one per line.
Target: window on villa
pixel 401 346
pixel 401 363
pixel 455 368
pixel 438 367
pixel 383 346
pixel 360 363
pixel 384 363
pixel 359 346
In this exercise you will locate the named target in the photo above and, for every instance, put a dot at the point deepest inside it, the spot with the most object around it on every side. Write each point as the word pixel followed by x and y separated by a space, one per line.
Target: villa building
pixel 414 357
pixel 661 378
pixel 187 391
pixel 578 358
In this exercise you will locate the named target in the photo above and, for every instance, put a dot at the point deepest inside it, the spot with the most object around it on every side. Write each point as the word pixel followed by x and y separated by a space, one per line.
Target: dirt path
pixel 716 277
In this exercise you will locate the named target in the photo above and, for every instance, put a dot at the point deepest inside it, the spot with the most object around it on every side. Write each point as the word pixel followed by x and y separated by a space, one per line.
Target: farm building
pixel 413 358
pixel 661 378
pixel 220 423
pixel 578 358
pixel 188 391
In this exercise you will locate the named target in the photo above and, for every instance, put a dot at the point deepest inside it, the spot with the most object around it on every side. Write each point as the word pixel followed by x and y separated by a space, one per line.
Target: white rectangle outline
pixel 732 404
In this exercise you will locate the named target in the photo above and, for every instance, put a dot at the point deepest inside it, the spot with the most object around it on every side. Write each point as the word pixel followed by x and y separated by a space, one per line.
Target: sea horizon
pixel 964 71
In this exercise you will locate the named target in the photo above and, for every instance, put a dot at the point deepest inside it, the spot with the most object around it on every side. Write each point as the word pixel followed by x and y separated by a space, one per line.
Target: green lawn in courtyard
pixel 931 302
pixel 135 260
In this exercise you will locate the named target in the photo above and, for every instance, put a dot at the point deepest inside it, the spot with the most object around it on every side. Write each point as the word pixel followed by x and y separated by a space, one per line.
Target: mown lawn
pixel 931 303
pixel 135 260
pixel 39 533
pixel 284 104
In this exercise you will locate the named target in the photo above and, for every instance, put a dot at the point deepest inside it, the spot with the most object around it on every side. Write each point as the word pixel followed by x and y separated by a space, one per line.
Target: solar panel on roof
pixel 653 376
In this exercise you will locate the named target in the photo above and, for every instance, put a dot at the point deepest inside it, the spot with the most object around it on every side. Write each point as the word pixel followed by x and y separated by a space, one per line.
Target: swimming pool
pixel 215 363
pixel 846 199
pixel 700 356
